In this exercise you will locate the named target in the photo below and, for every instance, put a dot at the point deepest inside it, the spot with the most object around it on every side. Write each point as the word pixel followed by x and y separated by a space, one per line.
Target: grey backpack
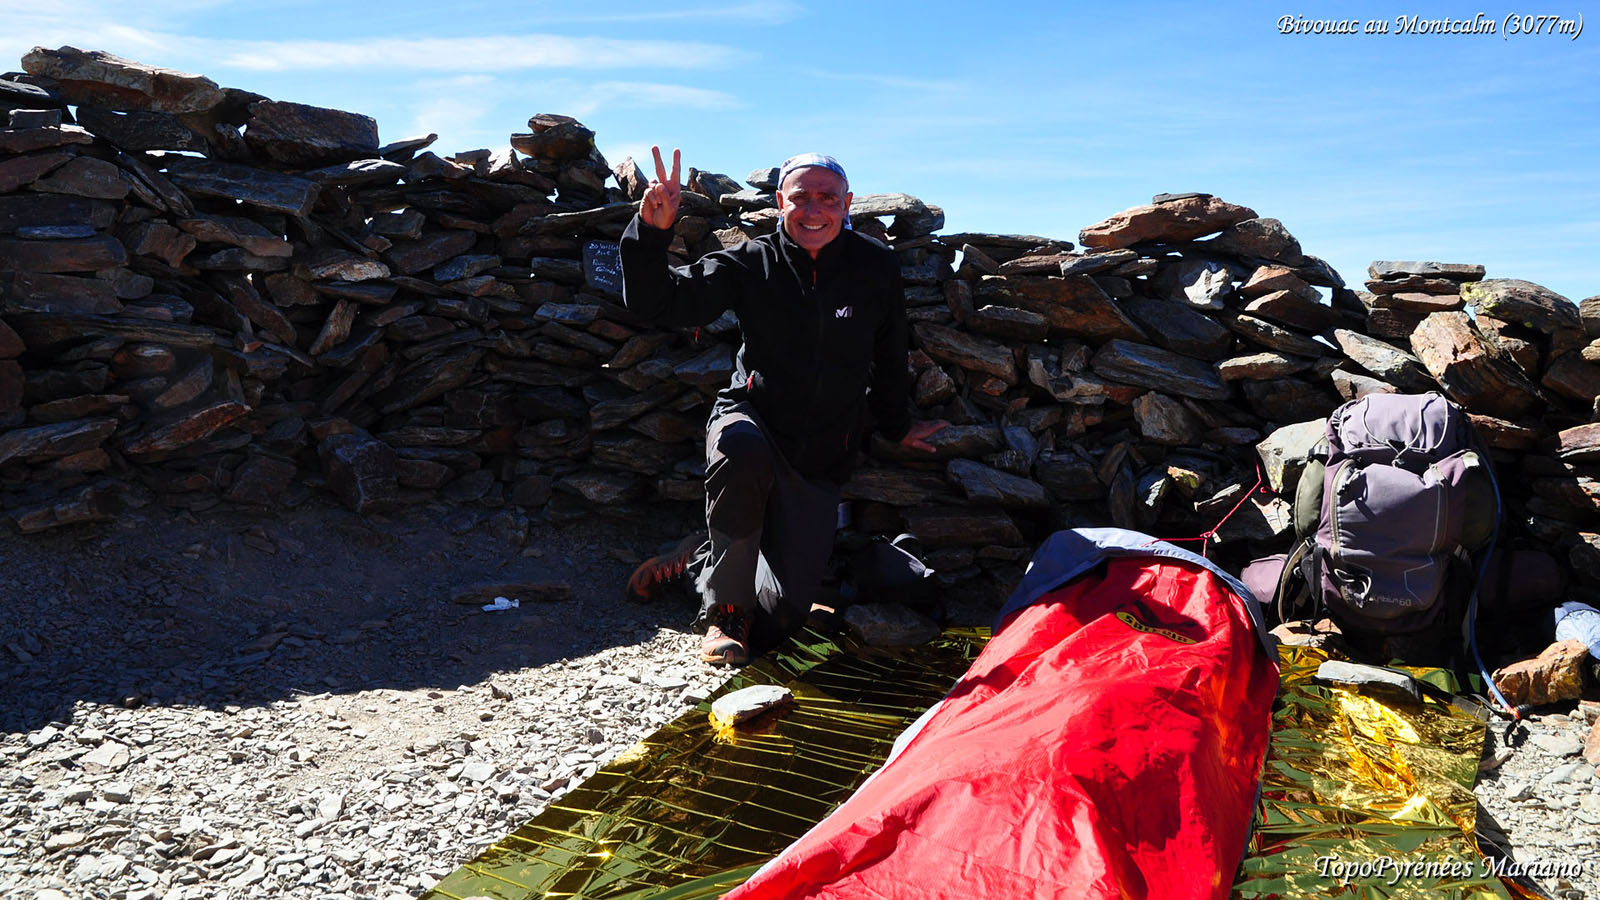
pixel 1391 508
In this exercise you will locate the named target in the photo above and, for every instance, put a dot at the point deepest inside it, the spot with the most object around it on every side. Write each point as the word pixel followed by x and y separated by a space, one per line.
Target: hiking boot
pixel 727 639
pixel 659 574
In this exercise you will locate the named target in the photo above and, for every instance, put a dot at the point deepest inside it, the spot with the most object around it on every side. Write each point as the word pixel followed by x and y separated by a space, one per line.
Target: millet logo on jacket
pixel 844 312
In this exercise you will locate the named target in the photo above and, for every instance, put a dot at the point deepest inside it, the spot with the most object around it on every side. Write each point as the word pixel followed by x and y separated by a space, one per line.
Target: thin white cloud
pixel 584 99
pixel 756 12
pixel 499 53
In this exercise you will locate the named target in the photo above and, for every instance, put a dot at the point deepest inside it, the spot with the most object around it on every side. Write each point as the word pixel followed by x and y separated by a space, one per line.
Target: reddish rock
pixel 1554 676
pixel 1072 306
pixel 24 170
pixel 1581 442
pixel 1270 279
pixel 1294 310
pixel 96 78
pixel 91 503
pixel 1410 301
pixel 1452 351
pixel 1165 420
pixel 186 429
pixel 160 240
pixel 1571 376
pixel 11 345
pixel 247 234
pixel 1183 219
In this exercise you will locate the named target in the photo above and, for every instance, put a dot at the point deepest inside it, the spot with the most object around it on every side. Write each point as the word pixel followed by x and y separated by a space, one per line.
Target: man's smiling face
pixel 814 202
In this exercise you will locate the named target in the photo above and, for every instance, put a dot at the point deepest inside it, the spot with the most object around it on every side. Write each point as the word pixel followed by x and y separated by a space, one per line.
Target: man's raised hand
pixel 659 208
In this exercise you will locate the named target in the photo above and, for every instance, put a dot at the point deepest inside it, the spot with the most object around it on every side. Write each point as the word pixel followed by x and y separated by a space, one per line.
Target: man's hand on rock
pixel 659 208
pixel 917 435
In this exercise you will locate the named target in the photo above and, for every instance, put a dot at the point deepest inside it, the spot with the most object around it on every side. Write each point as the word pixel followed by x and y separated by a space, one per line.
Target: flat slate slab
pixel 257 187
pixel 96 78
pixel 1159 369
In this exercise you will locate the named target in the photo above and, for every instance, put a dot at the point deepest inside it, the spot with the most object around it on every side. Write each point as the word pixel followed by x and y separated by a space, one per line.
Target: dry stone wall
pixel 211 296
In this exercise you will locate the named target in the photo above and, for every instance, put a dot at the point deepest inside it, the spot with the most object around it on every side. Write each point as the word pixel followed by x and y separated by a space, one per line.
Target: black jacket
pixel 817 334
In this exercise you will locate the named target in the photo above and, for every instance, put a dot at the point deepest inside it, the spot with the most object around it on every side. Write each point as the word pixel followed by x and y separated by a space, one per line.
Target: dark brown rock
pixel 555 138
pixel 142 130
pixel 1421 284
pixel 1572 377
pixel 951 527
pixel 428 379
pixel 242 293
pixel 304 136
pixel 968 352
pixel 1393 269
pixel 1288 400
pixel 712 366
pixel 86 177
pixel 262 481
pixel 1294 311
pixel 361 470
pixel 604 490
pixel 52 210
pixel 1260 239
pixel 1068 476
pixel 247 234
pixel 194 425
pixel 1180 328
pixel 1264 333
pixel 1588 312
pixel 1072 306
pixel 46 332
pixel 410 257
pixel 1451 350
pixel 11 345
pixel 1177 220
pixel 160 240
pixel 96 78
pixel 1159 369
pixel 895 487
pixel 335 329
pixel 27 140
pixel 1523 303
pixel 90 503
pixel 66 295
pixel 1165 420
pixel 85 255
pixel 1007 323
pixel 1389 363
pixel 41 442
pixel 24 170
pixel 232 181
pixel 986 486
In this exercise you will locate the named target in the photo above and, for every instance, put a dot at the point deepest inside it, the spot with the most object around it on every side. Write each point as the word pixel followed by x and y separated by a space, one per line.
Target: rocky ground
pixel 227 704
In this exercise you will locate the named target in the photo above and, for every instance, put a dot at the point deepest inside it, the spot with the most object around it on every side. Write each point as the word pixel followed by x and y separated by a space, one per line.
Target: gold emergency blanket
pixel 1367 796
pixel 1361 796
pixel 689 810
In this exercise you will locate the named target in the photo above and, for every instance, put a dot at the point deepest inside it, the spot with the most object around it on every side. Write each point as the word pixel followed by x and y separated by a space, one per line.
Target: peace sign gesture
pixel 659 208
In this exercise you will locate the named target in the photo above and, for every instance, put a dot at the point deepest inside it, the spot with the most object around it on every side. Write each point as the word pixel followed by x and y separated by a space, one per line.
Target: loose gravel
pixel 290 705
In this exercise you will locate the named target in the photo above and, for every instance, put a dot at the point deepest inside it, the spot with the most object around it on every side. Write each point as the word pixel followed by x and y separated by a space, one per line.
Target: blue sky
pixel 1025 117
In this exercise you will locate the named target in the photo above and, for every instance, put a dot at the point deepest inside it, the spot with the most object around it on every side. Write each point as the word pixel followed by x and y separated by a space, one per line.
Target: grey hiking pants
pixel 771 529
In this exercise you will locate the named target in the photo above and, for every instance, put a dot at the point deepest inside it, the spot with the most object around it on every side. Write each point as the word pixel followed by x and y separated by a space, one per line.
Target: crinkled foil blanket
pixel 1360 797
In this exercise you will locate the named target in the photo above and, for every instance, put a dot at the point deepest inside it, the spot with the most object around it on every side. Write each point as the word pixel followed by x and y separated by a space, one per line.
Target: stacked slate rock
pixel 211 296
